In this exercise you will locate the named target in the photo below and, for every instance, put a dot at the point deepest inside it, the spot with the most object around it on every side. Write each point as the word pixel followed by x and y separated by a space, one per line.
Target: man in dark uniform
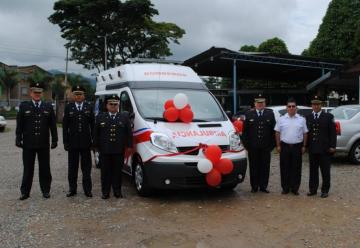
pixel 33 122
pixel 78 126
pixel 321 146
pixel 259 140
pixel 112 135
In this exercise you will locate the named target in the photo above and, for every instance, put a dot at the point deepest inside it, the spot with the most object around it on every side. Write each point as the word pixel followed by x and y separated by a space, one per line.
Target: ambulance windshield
pixel 150 103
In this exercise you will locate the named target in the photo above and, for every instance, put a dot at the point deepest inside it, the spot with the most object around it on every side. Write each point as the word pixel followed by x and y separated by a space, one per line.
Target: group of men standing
pixel 292 135
pixel 110 134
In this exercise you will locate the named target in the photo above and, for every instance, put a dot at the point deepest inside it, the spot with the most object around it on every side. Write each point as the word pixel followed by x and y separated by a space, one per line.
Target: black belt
pixel 291 145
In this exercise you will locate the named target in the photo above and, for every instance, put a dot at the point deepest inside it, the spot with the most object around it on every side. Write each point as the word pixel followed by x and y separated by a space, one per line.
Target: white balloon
pixel 204 165
pixel 180 100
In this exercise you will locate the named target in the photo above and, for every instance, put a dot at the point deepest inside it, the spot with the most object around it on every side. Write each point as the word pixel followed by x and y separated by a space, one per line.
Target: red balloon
pixel 188 106
pixel 213 153
pixel 213 178
pixel 169 103
pixel 238 126
pixel 171 114
pixel 186 115
pixel 224 166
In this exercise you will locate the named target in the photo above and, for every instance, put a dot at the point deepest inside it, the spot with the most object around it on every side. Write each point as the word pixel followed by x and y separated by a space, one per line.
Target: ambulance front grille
pixel 196 152
pixel 198 180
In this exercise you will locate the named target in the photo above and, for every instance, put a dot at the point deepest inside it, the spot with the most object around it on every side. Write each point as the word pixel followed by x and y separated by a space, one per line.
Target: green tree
pixel 58 87
pixel 127 25
pixel 76 79
pixel 9 79
pixel 274 45
pixel 248 48
pixel 339 33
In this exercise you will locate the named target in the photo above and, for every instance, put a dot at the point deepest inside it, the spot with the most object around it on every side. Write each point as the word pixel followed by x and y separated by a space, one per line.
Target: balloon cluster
pixel 238 125
pixel 178 108
pixel 214 166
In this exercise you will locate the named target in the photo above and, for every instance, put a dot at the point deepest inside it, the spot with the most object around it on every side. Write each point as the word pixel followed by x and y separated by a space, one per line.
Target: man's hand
pixel 278 149
pixel 18 143
pixel 332 150
pixel 66 147
pixel 53 145
pixel 303 150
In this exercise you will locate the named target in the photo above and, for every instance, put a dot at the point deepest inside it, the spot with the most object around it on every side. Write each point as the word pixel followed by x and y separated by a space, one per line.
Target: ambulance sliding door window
pixel 125 103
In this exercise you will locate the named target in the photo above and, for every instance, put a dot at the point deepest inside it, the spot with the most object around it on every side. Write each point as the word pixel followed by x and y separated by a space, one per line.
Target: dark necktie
pixel 113 117
pixel 79 107
pixel 37 105
pixel 260 113
pixel 316 116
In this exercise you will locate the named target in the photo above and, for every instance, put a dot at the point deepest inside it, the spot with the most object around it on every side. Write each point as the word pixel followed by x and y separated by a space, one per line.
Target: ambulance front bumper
pixel 184 175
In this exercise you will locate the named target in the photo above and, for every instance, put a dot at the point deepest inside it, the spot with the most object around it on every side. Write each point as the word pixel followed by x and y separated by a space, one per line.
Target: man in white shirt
pixel 291 138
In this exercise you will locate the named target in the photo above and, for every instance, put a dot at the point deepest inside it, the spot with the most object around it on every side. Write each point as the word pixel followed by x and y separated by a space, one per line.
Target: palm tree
pixel 40 77
pixel 9 78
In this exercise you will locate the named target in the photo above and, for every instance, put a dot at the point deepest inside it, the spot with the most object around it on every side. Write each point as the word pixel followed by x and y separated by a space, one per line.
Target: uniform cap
pixel 78 89
pixel 36 87
pixel 316 100
pixel 113 99
pixel 260 98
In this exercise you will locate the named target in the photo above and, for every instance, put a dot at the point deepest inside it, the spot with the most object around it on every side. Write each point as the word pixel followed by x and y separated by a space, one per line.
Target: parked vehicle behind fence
pixel 347 119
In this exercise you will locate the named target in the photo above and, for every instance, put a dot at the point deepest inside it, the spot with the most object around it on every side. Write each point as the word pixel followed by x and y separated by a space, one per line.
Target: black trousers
pixel 73 160
pixel 111 166
pixel 290 166
pixel 259 164
pixel 323 161
pixel 44 169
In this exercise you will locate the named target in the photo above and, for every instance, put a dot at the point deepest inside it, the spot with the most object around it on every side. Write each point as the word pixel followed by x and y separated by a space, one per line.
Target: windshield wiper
pixel 199 120
pixel 155 118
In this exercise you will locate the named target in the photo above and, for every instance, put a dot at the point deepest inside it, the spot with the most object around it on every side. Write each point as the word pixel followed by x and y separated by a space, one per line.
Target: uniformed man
pixel 259 139
pixel 291 139
pixel 112 135
pixel 33 122
pixel 78 126
pixel 321 146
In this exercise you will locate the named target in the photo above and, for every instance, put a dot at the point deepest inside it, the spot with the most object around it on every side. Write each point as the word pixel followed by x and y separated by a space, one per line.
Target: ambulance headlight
pixel 235 142
pixel 163 142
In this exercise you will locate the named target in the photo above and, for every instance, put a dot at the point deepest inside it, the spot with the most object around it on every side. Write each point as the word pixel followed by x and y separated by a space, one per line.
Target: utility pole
pixel 105 48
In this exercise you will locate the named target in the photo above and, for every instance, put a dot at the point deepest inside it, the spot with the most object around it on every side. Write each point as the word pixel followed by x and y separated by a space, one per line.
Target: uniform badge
pixel 27 112
pixel 102 124
pixel 251 120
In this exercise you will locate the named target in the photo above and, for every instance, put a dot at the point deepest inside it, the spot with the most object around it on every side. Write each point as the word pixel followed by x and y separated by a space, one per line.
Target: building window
pixel 24 91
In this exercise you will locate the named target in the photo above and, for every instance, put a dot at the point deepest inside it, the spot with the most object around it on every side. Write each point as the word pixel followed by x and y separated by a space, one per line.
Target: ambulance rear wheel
pixel 140 179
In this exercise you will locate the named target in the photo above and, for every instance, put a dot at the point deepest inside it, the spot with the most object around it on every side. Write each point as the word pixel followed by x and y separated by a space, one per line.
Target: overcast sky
pixel 27 37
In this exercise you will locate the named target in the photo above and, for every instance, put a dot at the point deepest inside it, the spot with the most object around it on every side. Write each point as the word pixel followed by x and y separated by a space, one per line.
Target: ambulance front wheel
pixel 140 179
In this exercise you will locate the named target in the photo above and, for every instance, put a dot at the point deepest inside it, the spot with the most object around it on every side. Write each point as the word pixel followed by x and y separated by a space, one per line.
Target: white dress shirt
pixel 79 105
pixel 291 129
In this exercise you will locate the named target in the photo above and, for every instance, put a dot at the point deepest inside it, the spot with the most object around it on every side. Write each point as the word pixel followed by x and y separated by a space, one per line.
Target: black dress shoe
pixel 24 197
pixel 311 193
pixel 265 191
pixel 105 197
pixel 119 195
pixel 254 190
pixel 324 194
pixel 46 195
pixel 295 192
pixel 70 194
pixel 88 194
pixel 285 192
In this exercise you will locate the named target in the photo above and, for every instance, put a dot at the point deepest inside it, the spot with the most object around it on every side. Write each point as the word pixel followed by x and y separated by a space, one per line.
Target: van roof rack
pixel 160 61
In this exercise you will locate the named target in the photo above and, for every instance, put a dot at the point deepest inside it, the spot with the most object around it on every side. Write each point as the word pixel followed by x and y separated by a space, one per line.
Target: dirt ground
pixel 198 219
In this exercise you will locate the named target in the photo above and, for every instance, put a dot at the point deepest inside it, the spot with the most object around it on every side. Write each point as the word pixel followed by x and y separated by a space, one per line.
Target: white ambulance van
pixel 158 160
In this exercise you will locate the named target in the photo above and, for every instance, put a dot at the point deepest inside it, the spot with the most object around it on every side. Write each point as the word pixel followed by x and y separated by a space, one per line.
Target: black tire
pixel 354 154
pixel 2 129
pixel 229 187
pixel 140 180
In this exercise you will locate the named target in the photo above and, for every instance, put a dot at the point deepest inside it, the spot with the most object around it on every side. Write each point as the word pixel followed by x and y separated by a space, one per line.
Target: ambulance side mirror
pixel 229 114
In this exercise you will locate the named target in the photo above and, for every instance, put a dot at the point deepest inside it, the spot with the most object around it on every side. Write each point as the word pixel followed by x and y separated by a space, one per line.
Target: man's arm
pixel 53 128
pixel 277 140
pixel 19 127
pixel 65 125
